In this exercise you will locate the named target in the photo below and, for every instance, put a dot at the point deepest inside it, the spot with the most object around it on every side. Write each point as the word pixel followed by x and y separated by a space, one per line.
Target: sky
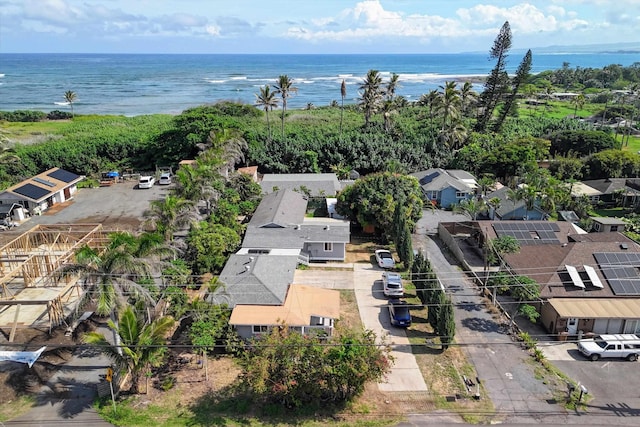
pixel 308 26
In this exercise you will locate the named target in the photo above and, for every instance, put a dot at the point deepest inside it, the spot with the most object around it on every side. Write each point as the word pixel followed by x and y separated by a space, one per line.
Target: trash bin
pixel 562 336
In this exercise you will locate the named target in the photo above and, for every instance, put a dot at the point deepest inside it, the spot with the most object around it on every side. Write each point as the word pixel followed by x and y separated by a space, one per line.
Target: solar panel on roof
pixel 32 191
pixel 621 271
pixel 593 276
pixel 575 276
pixel 63 175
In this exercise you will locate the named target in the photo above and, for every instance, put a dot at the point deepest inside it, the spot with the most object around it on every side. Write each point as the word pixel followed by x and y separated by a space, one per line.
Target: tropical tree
pixel 449 105
pixel 142 343
pixel 578 102
pixel 510 105
pixel 284 87
pixel 498 80
pixel 468 97
pixel 109 275
pixel 472 207
pixel 371 95
pixel 70 96
pixel 268 101
pixel 392 86
pixel 170 214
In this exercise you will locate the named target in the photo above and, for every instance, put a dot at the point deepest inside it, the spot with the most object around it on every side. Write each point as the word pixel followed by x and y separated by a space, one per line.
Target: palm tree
pixel 449 104
pixel 468 97
pixel 228 146
pixel 471 207
pixel 343 94
pixel 515 196
pixel 392 86
pixel 201 182
pixel 141 344
pixel 170 214
pixel 578 102
pixel 109 275
pixel 70 97
pixel 371 95
pixel 268 101
pixel 285 88
pixel 388 110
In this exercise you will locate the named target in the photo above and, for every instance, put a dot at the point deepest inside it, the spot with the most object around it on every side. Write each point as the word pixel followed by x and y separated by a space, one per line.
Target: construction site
pixel 35 293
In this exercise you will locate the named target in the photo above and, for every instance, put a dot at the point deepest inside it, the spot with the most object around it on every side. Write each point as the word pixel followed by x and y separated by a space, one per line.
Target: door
pixel 572 325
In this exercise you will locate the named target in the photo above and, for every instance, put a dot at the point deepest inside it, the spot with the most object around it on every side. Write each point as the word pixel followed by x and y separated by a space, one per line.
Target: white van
pixel 165 179
pixel 625 346
pixel 146 181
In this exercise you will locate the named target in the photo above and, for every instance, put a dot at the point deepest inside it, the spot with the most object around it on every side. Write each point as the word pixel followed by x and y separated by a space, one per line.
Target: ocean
pixel 133 84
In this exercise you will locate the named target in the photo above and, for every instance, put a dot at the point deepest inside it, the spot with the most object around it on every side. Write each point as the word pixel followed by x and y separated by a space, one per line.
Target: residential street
pixel 502 366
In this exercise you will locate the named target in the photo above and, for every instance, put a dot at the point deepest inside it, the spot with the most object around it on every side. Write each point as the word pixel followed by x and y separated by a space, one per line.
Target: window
pixel 432 195
pixel 328 247
pixel 461 195
pixel 259 251
pixel 614 228
pixel 596 226
pixel 260 329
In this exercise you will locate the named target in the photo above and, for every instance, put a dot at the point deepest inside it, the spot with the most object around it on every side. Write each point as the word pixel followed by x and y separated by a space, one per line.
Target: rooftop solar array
pixel 63 175
pixel 621 271
pixel 575 276
pixel 529 233
pixel 32 191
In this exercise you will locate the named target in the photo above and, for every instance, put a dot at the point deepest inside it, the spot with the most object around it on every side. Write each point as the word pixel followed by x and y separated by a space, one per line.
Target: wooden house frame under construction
pixel 32 293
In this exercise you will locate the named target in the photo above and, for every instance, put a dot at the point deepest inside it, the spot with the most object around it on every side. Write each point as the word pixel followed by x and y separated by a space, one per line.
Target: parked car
pixel 625 346
pixel 165 179
pixel 392 284
pixel 146 181
pixel 385 259
pixel 399 313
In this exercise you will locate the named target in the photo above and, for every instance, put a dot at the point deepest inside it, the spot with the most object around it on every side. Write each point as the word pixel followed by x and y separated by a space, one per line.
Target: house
pixel 610 191
pixel 42 191
pixel 279 223
pixel 589 283
pixel 512 209
pixel 445 188
pixel 306 309
pixel 310 184
pixel 255 279
pixel 602 224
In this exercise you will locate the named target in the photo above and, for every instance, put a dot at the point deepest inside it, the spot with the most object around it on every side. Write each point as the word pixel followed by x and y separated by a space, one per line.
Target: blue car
pixel 399 313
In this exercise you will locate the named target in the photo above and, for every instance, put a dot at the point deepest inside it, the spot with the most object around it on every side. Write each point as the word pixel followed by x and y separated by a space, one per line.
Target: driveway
pixel 405 374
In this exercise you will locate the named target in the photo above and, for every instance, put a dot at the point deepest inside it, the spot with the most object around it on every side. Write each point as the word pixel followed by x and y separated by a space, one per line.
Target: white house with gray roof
pixel 316 184
pixel 445 188
pixel 279 223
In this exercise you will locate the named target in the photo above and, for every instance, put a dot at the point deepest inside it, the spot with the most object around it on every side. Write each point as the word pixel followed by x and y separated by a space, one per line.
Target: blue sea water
pixel 130 84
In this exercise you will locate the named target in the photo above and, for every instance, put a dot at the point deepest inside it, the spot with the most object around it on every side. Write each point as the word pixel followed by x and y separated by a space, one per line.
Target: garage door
pixel 600 327
pixel 607 326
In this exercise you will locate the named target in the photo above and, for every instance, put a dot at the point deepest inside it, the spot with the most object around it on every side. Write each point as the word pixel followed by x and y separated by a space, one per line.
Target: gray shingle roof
pixel 437 179
pixel 295 236
pixel 255 279
pixel 280 209
pixel 319 184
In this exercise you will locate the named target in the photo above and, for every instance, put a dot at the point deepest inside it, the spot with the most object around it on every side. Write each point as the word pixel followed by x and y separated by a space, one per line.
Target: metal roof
pixel 597 308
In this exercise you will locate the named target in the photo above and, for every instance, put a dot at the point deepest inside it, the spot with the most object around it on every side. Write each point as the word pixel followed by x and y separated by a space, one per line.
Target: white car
pixel 165 179
pixel 392 284
pixel 624 346
pixel 385 259
pixel 146 181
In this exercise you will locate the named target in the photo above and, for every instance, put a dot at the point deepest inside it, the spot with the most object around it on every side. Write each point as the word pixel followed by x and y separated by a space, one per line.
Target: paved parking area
pixel 120 206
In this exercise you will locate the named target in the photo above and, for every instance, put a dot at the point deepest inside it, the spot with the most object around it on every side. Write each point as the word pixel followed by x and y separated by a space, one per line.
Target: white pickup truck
pixel 625 346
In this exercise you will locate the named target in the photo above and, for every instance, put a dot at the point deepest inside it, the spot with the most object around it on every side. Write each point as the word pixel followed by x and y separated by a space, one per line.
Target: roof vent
pixel 624 246
pixel 247 267
pixel 296 227
pixel 326 227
